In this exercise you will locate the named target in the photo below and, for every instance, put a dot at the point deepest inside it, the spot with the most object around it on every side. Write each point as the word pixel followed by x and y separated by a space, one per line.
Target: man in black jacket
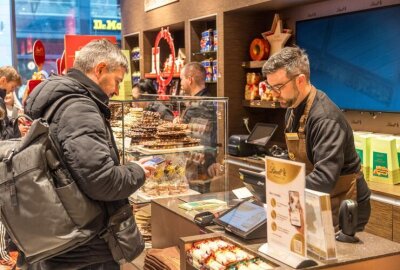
pixel 81 127
pixel 317 133
pixel 201 115
pixel 9 81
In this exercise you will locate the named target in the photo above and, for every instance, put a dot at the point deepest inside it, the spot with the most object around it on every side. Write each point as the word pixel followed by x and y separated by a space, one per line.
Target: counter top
pixel 371 249
pixel 389 190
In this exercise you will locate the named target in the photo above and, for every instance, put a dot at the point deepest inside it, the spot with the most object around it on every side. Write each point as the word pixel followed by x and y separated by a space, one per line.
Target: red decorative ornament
pixel 162 83
pixel 39 54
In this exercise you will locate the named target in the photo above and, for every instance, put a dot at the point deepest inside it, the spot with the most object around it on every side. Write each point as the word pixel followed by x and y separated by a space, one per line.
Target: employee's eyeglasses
pixel 277 88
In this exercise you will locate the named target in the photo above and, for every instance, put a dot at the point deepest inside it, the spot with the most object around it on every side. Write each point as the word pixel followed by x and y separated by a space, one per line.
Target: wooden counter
pixel 385 199
pixel 169 223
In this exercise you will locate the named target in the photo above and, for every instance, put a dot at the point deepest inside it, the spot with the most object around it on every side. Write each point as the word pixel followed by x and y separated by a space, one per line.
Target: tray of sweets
pixel 217 252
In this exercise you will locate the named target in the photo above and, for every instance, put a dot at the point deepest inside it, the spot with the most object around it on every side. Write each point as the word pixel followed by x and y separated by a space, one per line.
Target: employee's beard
pixel 288 103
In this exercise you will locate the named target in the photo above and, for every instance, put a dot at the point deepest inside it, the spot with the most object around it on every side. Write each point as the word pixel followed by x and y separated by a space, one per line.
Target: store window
pixel 5 33
pixel 50 20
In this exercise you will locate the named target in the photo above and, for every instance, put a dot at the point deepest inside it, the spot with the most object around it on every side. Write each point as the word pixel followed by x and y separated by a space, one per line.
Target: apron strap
pixel 304 117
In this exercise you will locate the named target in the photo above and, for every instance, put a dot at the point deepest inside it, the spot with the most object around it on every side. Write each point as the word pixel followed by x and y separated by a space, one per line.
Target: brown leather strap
pixel 304 117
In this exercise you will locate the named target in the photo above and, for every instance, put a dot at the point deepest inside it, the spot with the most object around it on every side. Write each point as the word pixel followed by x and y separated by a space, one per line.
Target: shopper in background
pixel 9 81
pixel 81 127
pixel 193 80
pixel 202 119
pixel 145 89
pixel 12 109
pixel 317 133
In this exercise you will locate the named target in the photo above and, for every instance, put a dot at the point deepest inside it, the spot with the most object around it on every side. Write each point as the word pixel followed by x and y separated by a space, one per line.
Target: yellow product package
pixel 384 164
pixel 362 144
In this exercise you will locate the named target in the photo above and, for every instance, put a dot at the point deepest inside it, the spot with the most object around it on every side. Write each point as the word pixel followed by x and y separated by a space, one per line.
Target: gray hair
pixel 97 51
pixel 293 59
pixel 195 70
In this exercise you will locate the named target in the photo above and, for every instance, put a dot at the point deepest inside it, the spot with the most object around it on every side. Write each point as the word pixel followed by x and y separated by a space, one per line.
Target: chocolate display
pixel 169 177
pixel 217 254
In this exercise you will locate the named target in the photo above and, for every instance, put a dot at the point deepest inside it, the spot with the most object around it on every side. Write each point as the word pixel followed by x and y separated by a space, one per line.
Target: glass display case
pixel 184 138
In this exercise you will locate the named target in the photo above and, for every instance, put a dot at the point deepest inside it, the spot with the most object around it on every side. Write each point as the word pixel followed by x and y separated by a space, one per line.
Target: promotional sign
pixel 73 43
pixel 320 231
pixel 39 54
pixel 286 226
pixel 106 24
pixel 125 87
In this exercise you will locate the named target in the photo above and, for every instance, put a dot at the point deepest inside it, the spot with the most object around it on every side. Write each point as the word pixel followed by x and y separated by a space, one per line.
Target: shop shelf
pixel 164 75
pixel 261 104
pixel 253 64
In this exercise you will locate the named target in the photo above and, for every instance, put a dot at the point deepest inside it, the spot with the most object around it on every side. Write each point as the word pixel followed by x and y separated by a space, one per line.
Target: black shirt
pixel 330 145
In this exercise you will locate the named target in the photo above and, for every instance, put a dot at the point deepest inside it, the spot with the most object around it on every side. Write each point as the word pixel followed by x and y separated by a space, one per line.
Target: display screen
pixel 261 134
pixel 355 58
pixel 245 217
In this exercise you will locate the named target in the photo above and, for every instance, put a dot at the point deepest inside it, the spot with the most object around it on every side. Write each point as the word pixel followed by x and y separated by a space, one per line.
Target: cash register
pixel 255 143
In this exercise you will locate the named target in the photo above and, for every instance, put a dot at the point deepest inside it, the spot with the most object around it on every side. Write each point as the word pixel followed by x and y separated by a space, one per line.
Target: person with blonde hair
pixel 9 81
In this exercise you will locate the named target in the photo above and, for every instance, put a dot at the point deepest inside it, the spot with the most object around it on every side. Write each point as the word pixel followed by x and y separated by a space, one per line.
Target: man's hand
pixel 215 169
pixel 148 169
pixel 23 126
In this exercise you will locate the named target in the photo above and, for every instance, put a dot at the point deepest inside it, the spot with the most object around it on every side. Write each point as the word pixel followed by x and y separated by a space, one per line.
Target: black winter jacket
pixel 8 127
pixel 90 156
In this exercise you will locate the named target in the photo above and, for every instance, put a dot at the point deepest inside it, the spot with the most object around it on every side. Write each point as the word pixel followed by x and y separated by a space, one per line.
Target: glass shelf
pixel 204 53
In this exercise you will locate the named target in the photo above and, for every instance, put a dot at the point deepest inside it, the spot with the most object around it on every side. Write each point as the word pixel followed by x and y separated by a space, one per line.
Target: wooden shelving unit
pixel 253 64
pixel 197 27
pixel 164 75
pixel 132 41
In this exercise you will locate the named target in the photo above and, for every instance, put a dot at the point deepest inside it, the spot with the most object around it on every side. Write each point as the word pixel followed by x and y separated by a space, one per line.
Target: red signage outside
pixel 73 43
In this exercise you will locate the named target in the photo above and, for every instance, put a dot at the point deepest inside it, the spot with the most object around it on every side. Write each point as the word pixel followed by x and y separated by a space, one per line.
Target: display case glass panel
pixel 184 138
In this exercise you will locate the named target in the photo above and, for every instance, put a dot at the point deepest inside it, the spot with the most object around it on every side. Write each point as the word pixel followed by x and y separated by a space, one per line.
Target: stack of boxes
pixel 379 154
pixel 209 43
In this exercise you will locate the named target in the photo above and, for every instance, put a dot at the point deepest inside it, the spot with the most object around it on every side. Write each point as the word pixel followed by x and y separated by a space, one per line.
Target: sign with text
pixel 125 87
pixel 286 226
pixel 106 25
pixel 153 4
pixel 73 43
pixel 285 184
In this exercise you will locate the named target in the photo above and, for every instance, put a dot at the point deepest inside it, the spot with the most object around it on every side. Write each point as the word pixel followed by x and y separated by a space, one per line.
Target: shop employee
pixel 317 133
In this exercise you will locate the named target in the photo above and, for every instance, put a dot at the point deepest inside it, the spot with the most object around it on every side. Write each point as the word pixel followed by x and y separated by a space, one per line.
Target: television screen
pixel 355 57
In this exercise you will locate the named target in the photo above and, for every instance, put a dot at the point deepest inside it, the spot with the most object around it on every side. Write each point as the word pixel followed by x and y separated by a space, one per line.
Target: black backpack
pixel 42 208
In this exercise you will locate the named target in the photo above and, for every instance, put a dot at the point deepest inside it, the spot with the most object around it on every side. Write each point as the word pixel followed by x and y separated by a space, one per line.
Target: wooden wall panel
pixel 381 221
pixel 396 224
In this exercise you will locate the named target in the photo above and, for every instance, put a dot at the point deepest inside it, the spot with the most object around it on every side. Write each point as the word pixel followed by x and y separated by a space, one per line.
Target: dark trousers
pixel 103 266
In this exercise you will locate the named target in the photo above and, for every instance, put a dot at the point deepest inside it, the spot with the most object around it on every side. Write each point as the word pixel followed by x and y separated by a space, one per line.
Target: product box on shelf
pixel 216 251
pixel 215 40
pixel 362 143
pixel 207 64
pixel 206 43
pixel 384 165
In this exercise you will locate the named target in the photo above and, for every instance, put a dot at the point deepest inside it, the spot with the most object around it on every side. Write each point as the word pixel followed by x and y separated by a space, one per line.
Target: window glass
pixel 5 33
pixel 50 20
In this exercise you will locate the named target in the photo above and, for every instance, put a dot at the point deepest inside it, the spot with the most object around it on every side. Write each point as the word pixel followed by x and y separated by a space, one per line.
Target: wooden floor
pixel 136 264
